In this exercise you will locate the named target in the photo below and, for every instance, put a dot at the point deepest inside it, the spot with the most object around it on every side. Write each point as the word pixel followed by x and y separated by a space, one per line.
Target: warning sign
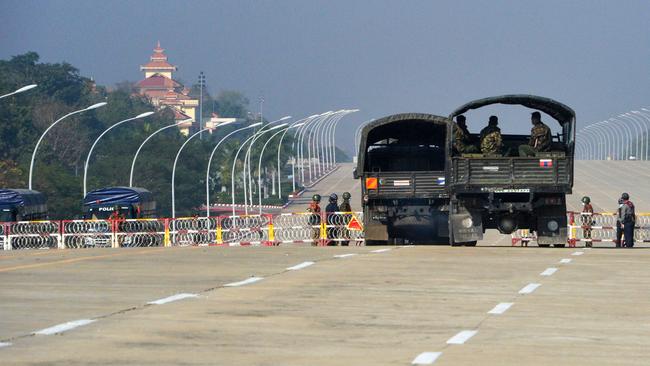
pixel 354 224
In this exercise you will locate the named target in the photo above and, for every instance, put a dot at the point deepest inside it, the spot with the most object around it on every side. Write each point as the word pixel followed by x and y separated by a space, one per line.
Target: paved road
pixel 373 306
pixel 337 182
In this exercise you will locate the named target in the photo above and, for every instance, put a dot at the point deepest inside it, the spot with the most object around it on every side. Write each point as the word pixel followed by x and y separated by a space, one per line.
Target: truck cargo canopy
pixel 560 112
pixel 10 198
pixel 117 195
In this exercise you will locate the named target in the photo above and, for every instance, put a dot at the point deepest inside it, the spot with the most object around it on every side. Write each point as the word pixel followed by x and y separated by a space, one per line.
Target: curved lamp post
pixel 145 141
pixel 20 90
pixel 259 168
pixel 295 124
pixel 142 115
pixel 31 164
pixel 232 175
pixel 207 173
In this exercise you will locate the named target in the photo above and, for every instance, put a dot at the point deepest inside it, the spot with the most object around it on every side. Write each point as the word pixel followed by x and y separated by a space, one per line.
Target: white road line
pixel 577 253
pixel 380 250
pixel 172 298
pixel 462 337
pixel 426 358
pixel 345 255
pixel 501 308
pixel 244 282
pixel 565 260
pixel 5 344
pixel 548 272
pixel 64 327
pixel 407 246
pixel 300 266
pixel 529 288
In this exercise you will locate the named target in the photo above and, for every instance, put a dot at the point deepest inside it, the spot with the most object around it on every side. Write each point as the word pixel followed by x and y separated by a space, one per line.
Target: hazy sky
pixel 382 57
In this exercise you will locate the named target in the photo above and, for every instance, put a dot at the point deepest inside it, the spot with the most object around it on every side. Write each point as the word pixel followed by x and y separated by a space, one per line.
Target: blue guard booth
pixel 22 205
pixel 122 202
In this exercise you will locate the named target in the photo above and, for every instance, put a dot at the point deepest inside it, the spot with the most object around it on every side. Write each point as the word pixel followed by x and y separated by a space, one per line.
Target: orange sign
pixel 371 183
pixel 354 224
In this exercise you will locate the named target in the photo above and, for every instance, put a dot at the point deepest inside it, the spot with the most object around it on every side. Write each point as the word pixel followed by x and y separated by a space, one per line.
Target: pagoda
pixel 164 92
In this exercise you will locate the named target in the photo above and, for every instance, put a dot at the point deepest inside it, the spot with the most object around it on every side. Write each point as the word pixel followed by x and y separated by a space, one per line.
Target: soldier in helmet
pixel 627 218
pixel 347 209
pixel 314 218
pixel 330 210
pixel 462 138
pixel 540 137
pixel 587 219
pixel 491 142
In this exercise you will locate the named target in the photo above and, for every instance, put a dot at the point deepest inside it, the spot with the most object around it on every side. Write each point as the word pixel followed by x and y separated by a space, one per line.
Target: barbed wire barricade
pixel 590 228
pixel 32 235
pixel 88 234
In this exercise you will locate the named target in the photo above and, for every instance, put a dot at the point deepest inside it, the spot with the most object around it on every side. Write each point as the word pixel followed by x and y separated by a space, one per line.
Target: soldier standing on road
pixel 314 218
pixel 347 209
pixel 627 217
pixel 462 138
pixel 619 225
pixel 330 210
pixel 491 141
pixel 540 137
pixel 587 219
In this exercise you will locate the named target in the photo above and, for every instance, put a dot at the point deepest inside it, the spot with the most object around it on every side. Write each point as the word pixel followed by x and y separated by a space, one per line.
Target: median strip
pixel 64 327
pixel 245 282
pixel 172 298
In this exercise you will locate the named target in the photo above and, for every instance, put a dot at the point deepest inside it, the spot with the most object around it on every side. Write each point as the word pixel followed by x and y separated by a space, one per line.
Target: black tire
pixel 470 243
pixel 559 245
pixel 375 242
pixel 544 245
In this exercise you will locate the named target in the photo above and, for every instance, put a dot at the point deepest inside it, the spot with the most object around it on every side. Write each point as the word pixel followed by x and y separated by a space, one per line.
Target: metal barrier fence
pixel 294 228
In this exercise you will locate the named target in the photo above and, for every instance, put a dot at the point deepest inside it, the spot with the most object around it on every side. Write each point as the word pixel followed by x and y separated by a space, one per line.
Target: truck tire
pixel 544 245
pixel 470 243
pixel 559 245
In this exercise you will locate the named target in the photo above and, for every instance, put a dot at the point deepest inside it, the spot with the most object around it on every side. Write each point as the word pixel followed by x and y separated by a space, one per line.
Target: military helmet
pixel 315 198
pixel 625 196
pixel 334 197
pixel 346 195
pixel 586 199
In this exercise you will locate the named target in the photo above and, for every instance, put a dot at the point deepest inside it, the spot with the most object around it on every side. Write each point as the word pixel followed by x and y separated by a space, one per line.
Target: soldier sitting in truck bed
pixel 463 143
pixel 540 137
pixel 491 141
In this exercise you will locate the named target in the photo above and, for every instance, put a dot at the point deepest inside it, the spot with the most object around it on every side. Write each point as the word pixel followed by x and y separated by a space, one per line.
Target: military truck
pixel 402 164
pixel 22 205
pixel 507 192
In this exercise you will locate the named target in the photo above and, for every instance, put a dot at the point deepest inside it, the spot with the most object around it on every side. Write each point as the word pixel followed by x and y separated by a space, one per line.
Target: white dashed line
pixel 529 288
pixel 300 266
pixel 345 255
pixel 407 246
pixel 426 358
pixel 380 250
pixel 247 281
pixel 64 327
pixel 172 298
pixel 565 260
pixel 578 253
pixel 462 337
pixel 501 308
pixel 548 272
pixel 4 344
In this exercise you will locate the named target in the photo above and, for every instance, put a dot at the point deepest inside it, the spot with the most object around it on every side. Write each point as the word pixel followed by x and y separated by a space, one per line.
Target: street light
pixel 295 124
pixel 207 173
pixel 301 136
pixel 259 164
pixel 333 136
pixel 232 175
pixel 31 164
pixel 310 134
pixel 296 151
pixel 20 90
pixel 145 141
pixel 141 115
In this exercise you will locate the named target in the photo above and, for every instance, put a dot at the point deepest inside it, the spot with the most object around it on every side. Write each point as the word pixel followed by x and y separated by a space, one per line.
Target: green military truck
pixel 402 164
pixel 507 192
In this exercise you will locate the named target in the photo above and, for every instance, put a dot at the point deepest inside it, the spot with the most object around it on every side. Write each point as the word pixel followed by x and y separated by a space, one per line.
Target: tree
pixel 232 104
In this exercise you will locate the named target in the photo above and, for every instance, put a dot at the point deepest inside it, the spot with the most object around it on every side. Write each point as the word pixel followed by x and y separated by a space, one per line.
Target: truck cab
pixel 123 202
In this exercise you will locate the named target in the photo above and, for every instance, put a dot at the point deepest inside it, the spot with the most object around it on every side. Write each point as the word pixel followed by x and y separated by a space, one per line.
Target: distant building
pixel 164 92
pixel 216 120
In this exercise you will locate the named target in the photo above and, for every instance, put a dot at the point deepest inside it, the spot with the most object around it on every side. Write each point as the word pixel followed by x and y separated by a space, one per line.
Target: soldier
pixel 619 227
pixel 345 207
pixel 314 218
pixel 491 142
pixel 330 211
pixel 540 137
pixel 462 138
pixel 627 217
pixel 587 219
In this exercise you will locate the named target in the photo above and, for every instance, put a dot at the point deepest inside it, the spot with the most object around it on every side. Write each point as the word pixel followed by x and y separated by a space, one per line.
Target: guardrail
pixel 255 230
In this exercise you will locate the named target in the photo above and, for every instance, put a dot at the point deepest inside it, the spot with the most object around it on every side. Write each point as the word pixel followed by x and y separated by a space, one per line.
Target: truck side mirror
pixel 354 174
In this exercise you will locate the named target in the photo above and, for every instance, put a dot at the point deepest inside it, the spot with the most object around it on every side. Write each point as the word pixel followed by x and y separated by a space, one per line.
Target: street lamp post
pixel 145 141
pixel 232 176
pixel 142 115
pixel 20 90
pixel 207 173
pixel 295 124
pixel 259 168
pixel 31 164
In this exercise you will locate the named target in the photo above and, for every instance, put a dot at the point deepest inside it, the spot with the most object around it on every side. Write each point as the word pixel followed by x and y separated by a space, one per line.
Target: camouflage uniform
pixel 462 141
pixel 491 142
pixel 540 140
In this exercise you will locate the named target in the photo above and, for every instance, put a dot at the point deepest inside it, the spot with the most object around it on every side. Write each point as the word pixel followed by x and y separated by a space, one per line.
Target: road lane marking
pixel 426 358
pixel 380 250
pixel 300 266
pixel 245 282
pixel 578 253
pixel 5 344
pixel 549 271
pixel 345 255
pixel 501 308
pixel 529 288
pixel 565 260
pixel 462 337
pixel 172 298
pixel 60 328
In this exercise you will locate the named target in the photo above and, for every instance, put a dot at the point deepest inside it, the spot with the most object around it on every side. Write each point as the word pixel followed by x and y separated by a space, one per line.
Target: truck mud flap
pixel 466 227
